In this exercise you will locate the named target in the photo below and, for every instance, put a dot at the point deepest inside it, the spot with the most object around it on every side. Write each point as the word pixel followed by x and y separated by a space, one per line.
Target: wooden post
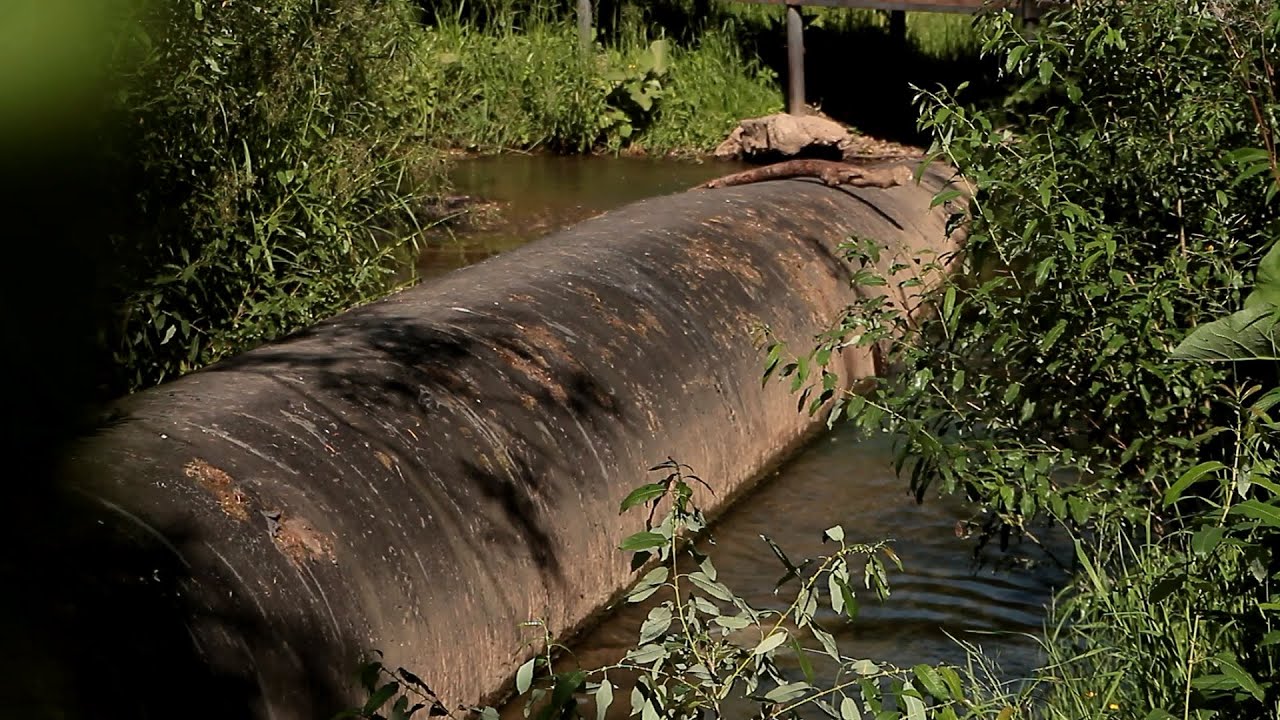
pixel 1030 12
pixel 795 60
pixel 584 24
pixel 898 27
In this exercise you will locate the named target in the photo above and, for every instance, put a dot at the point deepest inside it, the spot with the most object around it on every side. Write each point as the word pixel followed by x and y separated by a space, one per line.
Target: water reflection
pixel 540 194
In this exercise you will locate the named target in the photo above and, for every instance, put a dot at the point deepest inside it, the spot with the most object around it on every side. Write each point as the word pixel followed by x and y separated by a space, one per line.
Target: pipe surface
pixel 422 474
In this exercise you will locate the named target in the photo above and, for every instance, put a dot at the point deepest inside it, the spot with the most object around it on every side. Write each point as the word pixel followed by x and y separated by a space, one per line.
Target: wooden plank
pixel 898 27
pixel 795 61
pixel 585 36
pixel 958 6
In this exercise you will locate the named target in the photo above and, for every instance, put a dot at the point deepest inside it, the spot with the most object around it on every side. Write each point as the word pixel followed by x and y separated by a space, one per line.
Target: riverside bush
pixel 264 183
pixel 514 77
pixel 1123 195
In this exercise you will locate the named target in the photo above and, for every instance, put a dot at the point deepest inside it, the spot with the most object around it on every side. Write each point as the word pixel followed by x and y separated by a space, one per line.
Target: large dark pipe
pixel 422 474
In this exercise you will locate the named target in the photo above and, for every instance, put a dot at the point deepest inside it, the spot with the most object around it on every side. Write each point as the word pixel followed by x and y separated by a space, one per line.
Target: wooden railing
pixel 1029 10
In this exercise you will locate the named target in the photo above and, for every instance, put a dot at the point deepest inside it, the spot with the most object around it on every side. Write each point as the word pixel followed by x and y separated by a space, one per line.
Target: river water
pixel 538 194
pixel 944 594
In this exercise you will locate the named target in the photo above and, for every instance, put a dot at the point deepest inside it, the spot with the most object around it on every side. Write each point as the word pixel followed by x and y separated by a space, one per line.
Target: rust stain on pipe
pixel 424 473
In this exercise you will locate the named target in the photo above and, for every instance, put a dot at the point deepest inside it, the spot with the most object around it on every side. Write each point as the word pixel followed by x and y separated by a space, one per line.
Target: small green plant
pixel 705 652
pixel 634 89
pixel 264 181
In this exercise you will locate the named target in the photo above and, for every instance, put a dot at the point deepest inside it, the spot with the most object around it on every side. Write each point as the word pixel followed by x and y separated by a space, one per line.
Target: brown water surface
pixel 539 194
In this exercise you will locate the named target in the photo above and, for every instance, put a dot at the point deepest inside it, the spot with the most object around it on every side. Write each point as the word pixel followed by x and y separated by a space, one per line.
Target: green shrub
pixel 265 180
pixel 521 81
pixel 1105 223
pixel 1122 196
pixel 712 87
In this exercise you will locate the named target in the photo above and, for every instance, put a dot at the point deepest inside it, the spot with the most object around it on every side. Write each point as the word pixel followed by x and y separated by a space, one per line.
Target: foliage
pixel 1247 334
pixel 1119 200
pixel 1104 221
pixel 704 651
pixel 520 80
pixel 711 88
pixel 264 184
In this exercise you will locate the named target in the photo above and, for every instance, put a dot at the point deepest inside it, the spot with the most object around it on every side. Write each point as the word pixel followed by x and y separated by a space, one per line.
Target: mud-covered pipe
pixel 422 474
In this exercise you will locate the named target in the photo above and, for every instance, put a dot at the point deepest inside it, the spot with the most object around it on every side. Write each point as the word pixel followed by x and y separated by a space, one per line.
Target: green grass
pixel 506 74
pixel 520 81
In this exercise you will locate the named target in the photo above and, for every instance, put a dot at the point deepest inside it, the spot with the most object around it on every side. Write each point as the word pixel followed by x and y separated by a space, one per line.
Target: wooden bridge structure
pixel 1028 10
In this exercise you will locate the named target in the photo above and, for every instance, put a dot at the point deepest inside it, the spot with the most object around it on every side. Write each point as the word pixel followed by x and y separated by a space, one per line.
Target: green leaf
pixel 643 541
pixel 658 622
pixel 931 681
pixel 848 599
pixel 567 685
pixel 604 698
pixel 1052 336
pixel 864 667
pixel 915 707
pixel 380 698
pixel 1269 514
pixel 660 50
pixel 1206 539
pixel 770 642
pixel 849 709
pixel 646 654
pixel 642 495
pixel 710 587
pixel 835 533
pixel 1246 156
pixel 1249 334
pixel 731 622
pixel 1175 490
pixel 953 682
pixel 648 584
pixel 1046 71
pixel 369 674
pixel 1214 683
pixel 944 196
pixel 802 657
pixel 1266 288
pixel 828 642
pixel 1230 667
pixel 788 692
pixel 524 677
pixel 1015 55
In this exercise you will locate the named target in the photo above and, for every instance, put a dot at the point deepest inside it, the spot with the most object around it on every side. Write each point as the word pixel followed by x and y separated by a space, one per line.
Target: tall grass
pixel 507 76
pixel 271 158
pixel 503 74
pixel 266 177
